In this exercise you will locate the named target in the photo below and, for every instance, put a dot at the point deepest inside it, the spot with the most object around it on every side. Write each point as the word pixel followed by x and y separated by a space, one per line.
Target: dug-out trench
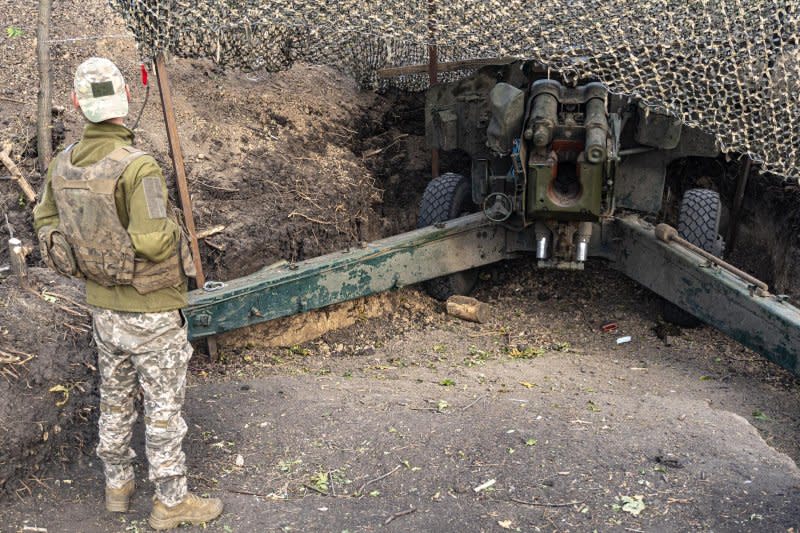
pixel 289 167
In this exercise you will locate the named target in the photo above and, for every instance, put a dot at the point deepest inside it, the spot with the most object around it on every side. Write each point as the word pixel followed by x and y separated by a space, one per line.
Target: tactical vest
pixel 89 223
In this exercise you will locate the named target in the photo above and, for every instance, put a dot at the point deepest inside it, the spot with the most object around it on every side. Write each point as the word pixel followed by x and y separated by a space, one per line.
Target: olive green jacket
pixel 152 239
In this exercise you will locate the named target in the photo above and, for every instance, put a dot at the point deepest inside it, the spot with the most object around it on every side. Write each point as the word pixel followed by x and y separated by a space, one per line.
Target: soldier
pixel 104 216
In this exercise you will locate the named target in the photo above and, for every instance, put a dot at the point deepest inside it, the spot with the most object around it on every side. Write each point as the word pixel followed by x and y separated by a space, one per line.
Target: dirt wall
pixel 48 392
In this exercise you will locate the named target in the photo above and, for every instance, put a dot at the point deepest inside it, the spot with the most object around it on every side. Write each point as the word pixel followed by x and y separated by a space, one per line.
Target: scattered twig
pixel 484 486
pixel 219 247
pixel 678 500
pixel 248 493
pixel 16 355
pixel 44 294
pixel 202 234
pixel 479 398
pixel 310 219
pixel 398 515
pixel 331 484
pixel 371 481
pixel 546 504
pixel 41 483
pixel 70 300
pixel 77 329
pixel 315 489
pixel 484 334
pixel 7 99
pixel 376 151
pixel 215 187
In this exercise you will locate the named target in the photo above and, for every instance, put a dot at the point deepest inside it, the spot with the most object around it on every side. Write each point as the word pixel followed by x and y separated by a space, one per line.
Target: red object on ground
pixel 609 327
pixel 144 75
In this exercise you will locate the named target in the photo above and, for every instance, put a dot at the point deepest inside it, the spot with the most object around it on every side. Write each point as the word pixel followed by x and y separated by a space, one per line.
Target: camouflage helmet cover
pixel 100 89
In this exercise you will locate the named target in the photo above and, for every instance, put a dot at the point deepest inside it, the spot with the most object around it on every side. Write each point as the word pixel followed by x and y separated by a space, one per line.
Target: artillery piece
pixel 552 164
pixel 558 174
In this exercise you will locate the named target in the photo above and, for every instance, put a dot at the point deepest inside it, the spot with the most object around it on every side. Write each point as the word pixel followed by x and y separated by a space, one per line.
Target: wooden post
pixel 44 135
pixel 433 73
pixel 180 175
pixel 17 254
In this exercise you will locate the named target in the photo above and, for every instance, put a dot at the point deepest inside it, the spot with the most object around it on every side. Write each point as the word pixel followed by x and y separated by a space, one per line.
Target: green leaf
pixel 759 415
pixel 13 32
pixel 447 382
pixel 530 442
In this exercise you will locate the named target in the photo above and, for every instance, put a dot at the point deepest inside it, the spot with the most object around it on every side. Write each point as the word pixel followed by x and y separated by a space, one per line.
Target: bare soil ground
pixel 410 409
pixel 416 410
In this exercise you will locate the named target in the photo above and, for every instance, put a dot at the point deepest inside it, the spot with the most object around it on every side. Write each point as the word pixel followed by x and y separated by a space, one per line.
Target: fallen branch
pixel 70 300
pixel 398 515
pixel 371 481
pixel 546 504
pixel 16 174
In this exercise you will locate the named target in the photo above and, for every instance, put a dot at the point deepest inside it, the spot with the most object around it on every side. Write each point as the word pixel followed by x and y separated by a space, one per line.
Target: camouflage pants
pixel 150 349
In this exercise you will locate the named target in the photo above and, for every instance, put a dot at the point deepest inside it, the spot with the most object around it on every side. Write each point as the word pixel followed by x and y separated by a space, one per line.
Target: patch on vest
pixel 153 197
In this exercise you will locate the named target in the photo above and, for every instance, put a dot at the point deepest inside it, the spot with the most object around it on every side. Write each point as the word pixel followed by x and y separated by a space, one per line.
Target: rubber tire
pixel 698 223
pixel 447 197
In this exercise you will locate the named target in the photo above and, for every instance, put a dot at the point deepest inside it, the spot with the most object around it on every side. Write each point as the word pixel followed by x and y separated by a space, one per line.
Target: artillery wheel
pixel 698 223
pixel 447 197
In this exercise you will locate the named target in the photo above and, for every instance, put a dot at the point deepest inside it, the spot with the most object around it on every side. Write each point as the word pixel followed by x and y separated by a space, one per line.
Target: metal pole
pixel 180 175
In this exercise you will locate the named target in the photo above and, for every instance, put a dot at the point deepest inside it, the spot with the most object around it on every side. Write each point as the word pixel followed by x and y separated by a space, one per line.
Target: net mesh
pixel 729 67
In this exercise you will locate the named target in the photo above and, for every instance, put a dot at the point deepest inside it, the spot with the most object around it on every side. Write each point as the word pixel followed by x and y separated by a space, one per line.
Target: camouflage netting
pixel 731 67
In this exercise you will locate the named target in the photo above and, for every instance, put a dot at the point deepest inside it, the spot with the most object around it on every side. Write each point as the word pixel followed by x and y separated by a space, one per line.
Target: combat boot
pixel 192 509
pixel 118 500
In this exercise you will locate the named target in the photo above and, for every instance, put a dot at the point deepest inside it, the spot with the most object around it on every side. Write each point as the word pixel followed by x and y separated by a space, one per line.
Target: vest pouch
pixel 104 266
pixel 149 277
pixel 57 253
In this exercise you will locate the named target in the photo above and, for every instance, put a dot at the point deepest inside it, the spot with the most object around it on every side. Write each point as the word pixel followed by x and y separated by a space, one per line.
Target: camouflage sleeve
pixel 46 213
pixel 154 236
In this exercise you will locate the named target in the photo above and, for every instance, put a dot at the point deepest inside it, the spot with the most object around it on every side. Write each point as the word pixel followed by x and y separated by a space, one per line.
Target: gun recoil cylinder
pixel 542 241
pixel 582 238
pixel 545 111
pixel 596 124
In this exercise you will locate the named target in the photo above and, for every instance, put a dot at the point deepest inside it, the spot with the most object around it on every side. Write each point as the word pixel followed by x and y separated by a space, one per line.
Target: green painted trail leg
pixel 766 324
pixel 398 261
